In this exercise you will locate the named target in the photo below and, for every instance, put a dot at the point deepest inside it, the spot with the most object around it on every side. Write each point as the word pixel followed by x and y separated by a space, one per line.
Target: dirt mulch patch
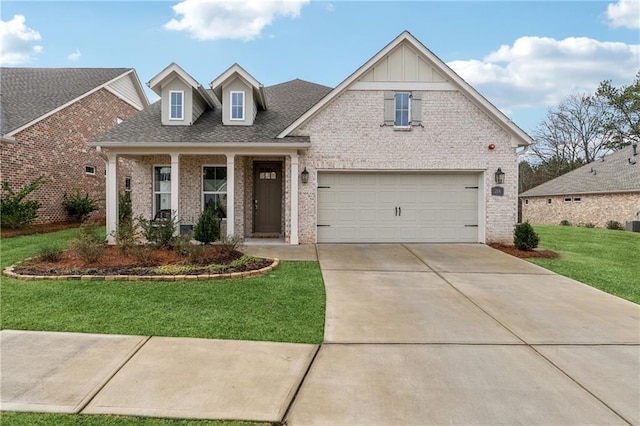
pixel 115 262
pixel 522 254
pixel 43 228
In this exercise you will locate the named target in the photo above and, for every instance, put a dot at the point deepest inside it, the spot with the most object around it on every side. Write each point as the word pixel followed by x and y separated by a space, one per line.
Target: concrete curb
pixel 9 271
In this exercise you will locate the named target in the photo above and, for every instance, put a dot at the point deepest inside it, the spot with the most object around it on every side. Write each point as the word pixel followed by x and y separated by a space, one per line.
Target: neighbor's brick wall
pixel 56 147
pixel 347 135
pixel 592 208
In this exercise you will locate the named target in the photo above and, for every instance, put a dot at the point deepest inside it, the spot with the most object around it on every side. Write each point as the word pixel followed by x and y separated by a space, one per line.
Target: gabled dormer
pixel 183 98
pixel 241 96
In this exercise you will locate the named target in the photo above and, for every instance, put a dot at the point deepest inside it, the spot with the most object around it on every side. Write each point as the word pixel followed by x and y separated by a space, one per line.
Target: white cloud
pixel 74 56
pixel 540 71
pixel 230 19
pixel 624 13
pixel 18 40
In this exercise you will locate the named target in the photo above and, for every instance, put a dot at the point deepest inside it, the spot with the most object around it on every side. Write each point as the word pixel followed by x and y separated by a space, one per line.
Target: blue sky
pixel 524 56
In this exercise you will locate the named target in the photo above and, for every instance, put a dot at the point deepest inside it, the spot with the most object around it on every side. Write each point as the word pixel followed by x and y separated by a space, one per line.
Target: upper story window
pixel 237 105
pixel 402 110
pixel 176 108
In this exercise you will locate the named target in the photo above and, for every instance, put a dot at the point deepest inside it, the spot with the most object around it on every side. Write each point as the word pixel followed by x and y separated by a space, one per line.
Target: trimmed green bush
pixel 524 237
pixel 15 211
pixel 614 225
pixel 207 229
pixel 159 232
pixel 79 207
pixel 565 222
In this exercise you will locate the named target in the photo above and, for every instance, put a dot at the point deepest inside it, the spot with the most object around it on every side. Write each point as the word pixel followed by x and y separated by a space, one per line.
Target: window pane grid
pixel 176 105
pixel 237 105
pixel 214 189
pixel 401 110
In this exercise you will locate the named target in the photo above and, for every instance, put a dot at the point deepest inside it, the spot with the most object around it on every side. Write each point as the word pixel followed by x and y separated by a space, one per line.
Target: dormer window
pixel 402 105
pixel 237 105
pixel 176 110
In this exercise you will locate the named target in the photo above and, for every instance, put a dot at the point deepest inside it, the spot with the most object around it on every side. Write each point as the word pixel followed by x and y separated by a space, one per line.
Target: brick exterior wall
pixel 346 135
pixel 597 209
pixel 56 147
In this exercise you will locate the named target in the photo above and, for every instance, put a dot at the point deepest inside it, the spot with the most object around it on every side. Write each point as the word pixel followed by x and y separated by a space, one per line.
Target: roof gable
pixel 236 71
pixel 406 59
pixel 32 94
pixel 173 71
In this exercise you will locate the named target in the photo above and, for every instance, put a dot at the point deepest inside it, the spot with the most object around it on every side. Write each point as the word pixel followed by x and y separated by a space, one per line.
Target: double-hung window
pixel 161 189
pixel 237 105
pixel 176 109
pixel 402 112
pixel 214 189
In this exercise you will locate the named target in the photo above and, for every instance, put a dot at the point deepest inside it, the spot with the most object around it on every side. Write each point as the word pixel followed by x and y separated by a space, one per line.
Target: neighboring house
pixel 47 117
pixel 604 190
pixel 403 150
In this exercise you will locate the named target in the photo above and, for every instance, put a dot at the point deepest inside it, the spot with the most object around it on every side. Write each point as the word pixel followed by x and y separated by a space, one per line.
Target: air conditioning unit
pixel 633 226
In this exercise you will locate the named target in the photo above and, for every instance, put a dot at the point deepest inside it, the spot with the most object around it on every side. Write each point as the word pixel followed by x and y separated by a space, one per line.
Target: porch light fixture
pixel 499 176
pixel 304 176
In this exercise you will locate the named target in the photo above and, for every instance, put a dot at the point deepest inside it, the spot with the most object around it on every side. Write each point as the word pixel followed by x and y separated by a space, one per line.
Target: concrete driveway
pixel 464 334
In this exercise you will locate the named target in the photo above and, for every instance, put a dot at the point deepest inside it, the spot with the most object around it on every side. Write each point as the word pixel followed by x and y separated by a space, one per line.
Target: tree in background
pixel 624 107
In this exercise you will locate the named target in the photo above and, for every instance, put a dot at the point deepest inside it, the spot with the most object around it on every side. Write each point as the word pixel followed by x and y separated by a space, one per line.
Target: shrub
pixel 89 246
pixel 51 253
pixel 524 237
pixel 197 254
pixel 15 211
pixel 207 229
pixel 565 223
pixel 182 244
pixel 158 232
pixel 125 233
pixel 145 255
pixel 230 244
pixel 79 207
pixel 589 225
pixel 615 225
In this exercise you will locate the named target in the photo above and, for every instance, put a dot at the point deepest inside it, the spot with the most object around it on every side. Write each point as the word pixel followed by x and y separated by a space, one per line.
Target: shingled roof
pixel 29 93
pixel 613 173
pixel 287 101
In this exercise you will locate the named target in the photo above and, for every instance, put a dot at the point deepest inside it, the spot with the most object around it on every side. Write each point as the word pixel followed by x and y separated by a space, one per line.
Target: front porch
pixel 254 191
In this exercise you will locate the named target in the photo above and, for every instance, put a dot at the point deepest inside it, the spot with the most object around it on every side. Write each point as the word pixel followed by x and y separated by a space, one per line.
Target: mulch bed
pixel 115 262
pixel 522 254
pixel 38 229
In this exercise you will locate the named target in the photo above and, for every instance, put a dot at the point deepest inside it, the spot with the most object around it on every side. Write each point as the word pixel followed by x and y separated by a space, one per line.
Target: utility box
pixel 633 226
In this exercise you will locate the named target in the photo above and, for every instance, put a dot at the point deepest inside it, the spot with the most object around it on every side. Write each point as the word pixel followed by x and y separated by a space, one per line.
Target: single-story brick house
pixel 403 150
pixel 48 115
pixel 604 190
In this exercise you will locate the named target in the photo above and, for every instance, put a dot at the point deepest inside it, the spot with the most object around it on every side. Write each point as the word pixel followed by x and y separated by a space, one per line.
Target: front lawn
pixel 286 305
pixel 31 419
pixel 604 259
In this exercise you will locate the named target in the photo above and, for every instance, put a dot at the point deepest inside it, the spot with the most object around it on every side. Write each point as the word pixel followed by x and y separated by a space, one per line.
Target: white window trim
pixel 153 187
pixel 395 109
pixel 203 192
pixel 181 106
pixel 244 105
pixel 87 172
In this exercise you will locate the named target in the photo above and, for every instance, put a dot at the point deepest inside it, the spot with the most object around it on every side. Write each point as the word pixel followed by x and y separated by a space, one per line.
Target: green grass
pixel 287 305
pixel 601 258
pixel 36 419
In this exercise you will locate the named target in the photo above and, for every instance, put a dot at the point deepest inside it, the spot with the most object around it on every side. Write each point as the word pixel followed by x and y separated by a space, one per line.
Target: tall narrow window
pixel 214 189
pixel 127 188
pixel 403 116
pixel 161 189
pixel 177 105
pixel 237 105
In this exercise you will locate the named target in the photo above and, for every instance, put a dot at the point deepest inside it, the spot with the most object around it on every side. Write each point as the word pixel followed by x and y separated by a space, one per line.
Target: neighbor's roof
pixel 611 174
pixel 287 101
pixel 30 93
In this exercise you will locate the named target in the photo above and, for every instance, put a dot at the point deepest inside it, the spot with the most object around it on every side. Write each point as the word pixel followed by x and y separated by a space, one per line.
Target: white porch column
pixel 293 238
pixel 175 189
pixel 112 197
pixel 231 190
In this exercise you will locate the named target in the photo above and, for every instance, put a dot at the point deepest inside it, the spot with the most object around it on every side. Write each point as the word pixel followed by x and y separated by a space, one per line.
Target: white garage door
pixel 397 207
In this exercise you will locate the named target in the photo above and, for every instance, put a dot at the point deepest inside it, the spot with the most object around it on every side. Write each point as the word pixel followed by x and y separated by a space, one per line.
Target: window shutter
pixel 416 108
pixel 389 108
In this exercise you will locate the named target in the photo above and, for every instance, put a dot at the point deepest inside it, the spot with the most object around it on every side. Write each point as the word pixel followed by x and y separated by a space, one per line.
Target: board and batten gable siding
pixel 347 135
pixel 250 107
pixel 177 84
pixel 403 64
pixel 125 88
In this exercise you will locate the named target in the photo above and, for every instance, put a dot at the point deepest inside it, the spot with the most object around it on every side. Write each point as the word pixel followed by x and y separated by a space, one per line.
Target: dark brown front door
pixel 267 202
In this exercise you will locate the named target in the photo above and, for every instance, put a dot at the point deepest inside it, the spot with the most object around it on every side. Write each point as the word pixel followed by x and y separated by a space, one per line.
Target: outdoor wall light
pixel 499 176
pixel 304 176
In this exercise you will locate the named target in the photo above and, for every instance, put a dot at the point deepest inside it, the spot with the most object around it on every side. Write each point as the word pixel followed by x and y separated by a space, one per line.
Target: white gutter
pixel 209 145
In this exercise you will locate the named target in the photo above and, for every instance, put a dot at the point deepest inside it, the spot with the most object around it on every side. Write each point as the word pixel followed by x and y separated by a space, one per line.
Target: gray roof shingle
pixel 29 93
pixel 286 102
pixel 612 174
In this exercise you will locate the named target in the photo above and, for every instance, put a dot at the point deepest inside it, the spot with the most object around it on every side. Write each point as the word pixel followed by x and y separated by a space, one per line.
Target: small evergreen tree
pixel 79 207
pixel 15 211
pixel 207 229
pixel 524 237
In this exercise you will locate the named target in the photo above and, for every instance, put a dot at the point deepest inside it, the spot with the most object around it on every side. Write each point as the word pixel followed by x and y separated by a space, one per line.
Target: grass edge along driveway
pixel 602 258
pixel 286 305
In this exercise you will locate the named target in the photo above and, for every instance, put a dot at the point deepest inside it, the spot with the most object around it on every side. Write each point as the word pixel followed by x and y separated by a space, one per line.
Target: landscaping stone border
pixel 9 271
